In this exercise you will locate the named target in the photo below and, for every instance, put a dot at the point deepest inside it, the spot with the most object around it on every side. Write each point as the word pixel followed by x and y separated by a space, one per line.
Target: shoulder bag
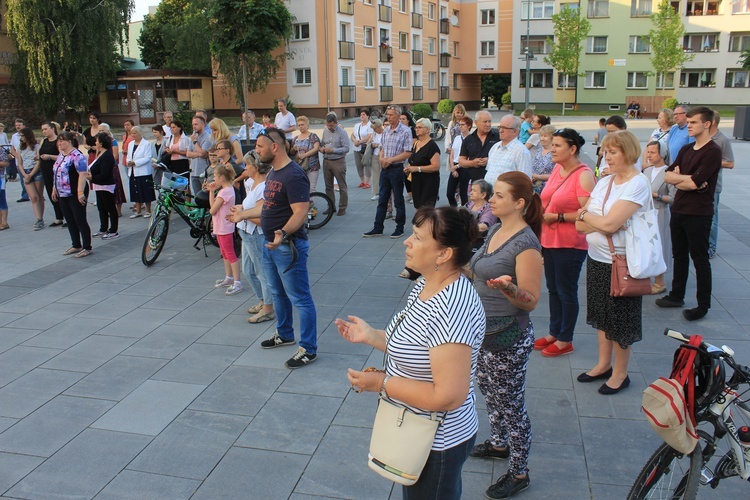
pixel 643 244
pixel 367 155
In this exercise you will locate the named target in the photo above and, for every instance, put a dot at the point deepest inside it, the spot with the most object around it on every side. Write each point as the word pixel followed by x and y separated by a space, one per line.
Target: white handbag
pixel 643 244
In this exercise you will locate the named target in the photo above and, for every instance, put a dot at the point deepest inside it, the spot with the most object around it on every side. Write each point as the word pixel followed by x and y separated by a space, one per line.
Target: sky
pixel 141 8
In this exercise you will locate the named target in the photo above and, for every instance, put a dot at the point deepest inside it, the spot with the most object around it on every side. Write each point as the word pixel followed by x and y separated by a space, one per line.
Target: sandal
pixel 72 250
pixel 658 289
pixel 135 215
pixel 256 308
pixel 84 253
pixel 409 274
pixel 262 317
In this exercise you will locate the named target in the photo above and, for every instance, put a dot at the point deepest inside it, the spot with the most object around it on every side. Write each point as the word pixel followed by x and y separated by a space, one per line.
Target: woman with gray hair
pixel 141 174
pixel 423 166
pixel 252 237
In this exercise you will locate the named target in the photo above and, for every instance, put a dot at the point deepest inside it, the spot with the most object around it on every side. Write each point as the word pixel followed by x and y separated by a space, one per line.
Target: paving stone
pixel 90 295
pixel 89 354
pixel 116 378
pixel 50 427
pixel 14 467
pixel 83 467
pixel 32 390
pixel 68 333
pixel 358 410
pixel 11 337
pixel 548 457
pixel 19 360
pixel 47 316
pixel 240 390
pixel 554 417
pixel 235 330
pixel 166 341
pixel 199 364
pixel 139 485
pixel 150 408
pixel 153 285
pixel 329 367
pixel 138 323
pixel 114 309
pixel 206 313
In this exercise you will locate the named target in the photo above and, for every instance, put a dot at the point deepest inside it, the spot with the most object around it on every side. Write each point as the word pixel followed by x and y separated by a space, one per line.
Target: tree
pixel 67 49
pixel 665 38
pixel 745 59
pixel 570 29
pixel 246 36
pixel 493 88
pixel 176 36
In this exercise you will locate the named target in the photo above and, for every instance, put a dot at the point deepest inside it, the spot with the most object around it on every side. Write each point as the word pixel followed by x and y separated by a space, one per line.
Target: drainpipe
pixel 328 76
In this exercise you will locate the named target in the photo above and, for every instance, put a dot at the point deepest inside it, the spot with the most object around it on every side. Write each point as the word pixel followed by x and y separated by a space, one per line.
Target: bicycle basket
pixel 175 182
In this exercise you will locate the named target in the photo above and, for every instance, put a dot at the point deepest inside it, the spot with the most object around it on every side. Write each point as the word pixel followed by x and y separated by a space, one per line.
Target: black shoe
pixel 486 450
pixel 507 486
pixel 607 390
pixel 585 377
pixel 276 341
pixel 397 233
pixel 669 301
pixel 22 200
pixel 695 313
pixel 300 358
pixel 371 233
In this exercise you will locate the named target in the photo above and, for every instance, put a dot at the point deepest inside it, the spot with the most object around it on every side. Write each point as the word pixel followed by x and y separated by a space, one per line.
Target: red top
pixel 563 198
pixel 126 140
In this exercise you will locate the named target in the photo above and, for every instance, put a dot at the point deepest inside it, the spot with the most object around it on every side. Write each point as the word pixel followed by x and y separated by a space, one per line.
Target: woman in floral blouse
pixel 70 190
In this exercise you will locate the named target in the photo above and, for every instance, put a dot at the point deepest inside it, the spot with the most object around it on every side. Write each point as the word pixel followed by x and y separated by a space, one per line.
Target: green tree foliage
pixel 445 106
pixel 670 103
pixel 67 49
pixel 176 36
pixel 494 87
pixel 246 36
pixel 665 39
pixel 570 30
pixel 421 110
pixel 745 59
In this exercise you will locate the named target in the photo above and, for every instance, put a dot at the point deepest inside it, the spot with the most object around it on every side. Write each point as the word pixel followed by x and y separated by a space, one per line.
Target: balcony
pixel 416 20
pixel 444 92
pixel 416 93
pixel 416 57
pixel 386 92
pixel 346 50
pixel 384 13
pixel 385 53
pixel 348 93
pixel 445 26
pixel 445 60
pixel 346 7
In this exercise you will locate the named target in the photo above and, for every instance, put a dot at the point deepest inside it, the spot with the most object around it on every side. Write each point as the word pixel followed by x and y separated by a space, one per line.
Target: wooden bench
pixel 651 106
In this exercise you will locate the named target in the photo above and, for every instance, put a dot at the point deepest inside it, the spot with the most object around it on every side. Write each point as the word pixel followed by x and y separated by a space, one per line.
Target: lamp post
pixel 528 55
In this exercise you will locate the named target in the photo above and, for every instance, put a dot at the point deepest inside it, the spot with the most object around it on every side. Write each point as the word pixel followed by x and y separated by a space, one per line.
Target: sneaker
pixel 486 450
pixel 110 236
pixel 234 288
pixel 397 233
pixel 371 233
pixel 507 486
pixel 38 225
pixel 224 282
pixel 276 341
pixel 98 234
pixel 374 198
pixel 695 313
pixel 669 301
pixel 300 358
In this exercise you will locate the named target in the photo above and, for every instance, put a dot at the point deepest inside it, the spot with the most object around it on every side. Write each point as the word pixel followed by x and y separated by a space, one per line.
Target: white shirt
pixel 456 147
pixel 254 195
pixel 508 158
pixel 284 122
pixel 141 157
pixel 167 130
pixel 361 131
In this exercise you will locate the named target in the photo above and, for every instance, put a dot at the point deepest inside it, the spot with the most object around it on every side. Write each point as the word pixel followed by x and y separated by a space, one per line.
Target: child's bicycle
pixel 723 449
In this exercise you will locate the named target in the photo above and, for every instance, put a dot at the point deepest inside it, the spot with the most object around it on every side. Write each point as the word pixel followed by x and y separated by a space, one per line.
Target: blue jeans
pixel 252 265
pixel 441 476
pixel 391 179
pixel 292 288
pixel 562 268
pixel 713 237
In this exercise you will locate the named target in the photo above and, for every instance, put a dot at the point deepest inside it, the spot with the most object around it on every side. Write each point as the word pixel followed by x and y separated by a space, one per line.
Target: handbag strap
pixel 579 167
pixel 604 203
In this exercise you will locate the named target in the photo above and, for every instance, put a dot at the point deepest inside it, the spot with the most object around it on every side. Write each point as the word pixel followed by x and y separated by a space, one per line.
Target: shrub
pixel 185 116
pixel 505 99
pixel 670 103
pixel 446 106
pixel 421 110
pixel 289 107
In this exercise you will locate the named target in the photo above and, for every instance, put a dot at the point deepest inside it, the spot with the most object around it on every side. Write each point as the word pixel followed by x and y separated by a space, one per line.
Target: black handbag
pixel 501 332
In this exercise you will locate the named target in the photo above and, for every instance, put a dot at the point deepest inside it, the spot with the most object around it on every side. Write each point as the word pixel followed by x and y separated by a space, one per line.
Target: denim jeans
pixel 441 476
pixel 713 237
pixel 391 180
pixel 252 265
pixel 562 268
pixel 690 241
pixel 292 289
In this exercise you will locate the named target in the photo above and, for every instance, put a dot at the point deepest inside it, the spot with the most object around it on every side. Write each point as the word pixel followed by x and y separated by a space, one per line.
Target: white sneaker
pixel 234 288
pixel 374 197
pixel 224 282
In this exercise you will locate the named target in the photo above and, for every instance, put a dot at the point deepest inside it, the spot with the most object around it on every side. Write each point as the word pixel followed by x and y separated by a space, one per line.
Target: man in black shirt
pixel 694 172
pixel 476 146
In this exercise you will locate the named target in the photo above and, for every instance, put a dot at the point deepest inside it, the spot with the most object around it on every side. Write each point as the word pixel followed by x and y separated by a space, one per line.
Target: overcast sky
pixel 141 8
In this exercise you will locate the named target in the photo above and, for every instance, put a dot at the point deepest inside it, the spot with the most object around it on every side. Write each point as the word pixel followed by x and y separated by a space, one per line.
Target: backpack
pixel 669 403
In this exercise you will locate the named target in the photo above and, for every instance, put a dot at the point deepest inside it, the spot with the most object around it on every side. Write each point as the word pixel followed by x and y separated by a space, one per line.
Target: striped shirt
pixel 454 316
pixel 396 142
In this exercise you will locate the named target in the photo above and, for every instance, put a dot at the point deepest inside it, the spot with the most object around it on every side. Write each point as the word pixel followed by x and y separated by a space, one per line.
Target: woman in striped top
pixel 432 346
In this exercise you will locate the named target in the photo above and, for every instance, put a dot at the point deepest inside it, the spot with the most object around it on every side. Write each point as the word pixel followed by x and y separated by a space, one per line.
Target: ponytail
pixel 533 215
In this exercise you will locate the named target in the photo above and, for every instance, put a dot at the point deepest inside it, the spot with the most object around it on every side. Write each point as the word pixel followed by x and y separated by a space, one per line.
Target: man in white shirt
pixel 167 121
pixel 250 130
pixel 285 121
pixel 509 154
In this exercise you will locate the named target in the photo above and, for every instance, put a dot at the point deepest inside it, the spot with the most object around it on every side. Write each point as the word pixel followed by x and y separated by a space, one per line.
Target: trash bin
pixel 742 123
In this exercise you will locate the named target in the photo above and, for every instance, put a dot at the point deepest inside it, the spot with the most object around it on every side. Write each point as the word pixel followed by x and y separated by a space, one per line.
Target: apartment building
pixel 615 59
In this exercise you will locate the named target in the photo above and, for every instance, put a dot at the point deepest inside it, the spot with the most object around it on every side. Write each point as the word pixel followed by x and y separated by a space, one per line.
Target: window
pixel 431 11
pixel 416 78
pixel 737 78
pixel 384 36
pixel 403 41
pixel 346 73
pixel 701 43
pixel 569 5
pixel 537 44
pixel 739 42
pixel 367 2
pixel 455 81
pixel 487 17
pixel 639 45
pixel 301 31
pixel 302 76
pixel 403 79
pixel 596 45
pixel 665 80
pixel 402 6
pixel 369 34
pixel 566 81
pixel 369 78
pixel 703 8
pixel 536 9
pixel 416 6
pixel 385 78
pixel 539 79
pixel 455 49
pixel 431 43
pixel 598 8
pixel 637 80
pixel 741 7
pixel 640 8
pixel 697 78
pixel 344 31
pixel 416 42
pixel 596 80
pixel 487 48
pixel 431 80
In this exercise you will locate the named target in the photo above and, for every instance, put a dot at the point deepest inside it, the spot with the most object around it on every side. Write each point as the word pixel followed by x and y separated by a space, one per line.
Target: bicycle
pixel 671 474
pixel 321 210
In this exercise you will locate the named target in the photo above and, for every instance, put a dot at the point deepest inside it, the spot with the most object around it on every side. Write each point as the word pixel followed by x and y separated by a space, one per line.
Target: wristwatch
pixel 284 236
pixel 382 387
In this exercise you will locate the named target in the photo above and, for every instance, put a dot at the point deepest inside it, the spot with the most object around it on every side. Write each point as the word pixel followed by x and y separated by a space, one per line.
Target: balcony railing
pixel 445 26
pixel 348 93
pixel 416 20
pixel 445 60
pixel 444 92
pixel 384 13
pixel 386 54
pixel 346 50
pixel 346 7
pixel 416 57
pixel 416 93
pixel 386 92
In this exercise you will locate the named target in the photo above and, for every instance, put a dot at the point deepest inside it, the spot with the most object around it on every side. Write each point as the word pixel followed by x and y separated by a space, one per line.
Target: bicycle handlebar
pixel 725 352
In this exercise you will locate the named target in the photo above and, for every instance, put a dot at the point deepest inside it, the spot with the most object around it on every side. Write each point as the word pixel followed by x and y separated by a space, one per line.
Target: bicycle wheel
pixel 438 131
pixel 669 474
pixel 156 237
pixel 321 210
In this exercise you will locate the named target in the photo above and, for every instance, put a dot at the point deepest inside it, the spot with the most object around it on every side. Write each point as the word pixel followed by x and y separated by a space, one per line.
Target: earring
pixel 436 267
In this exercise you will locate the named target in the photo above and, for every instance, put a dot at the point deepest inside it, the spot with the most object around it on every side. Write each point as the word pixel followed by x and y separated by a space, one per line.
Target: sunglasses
pixel 266 133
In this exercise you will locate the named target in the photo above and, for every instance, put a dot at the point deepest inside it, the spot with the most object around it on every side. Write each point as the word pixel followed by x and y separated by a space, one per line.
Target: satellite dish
pixel 454 20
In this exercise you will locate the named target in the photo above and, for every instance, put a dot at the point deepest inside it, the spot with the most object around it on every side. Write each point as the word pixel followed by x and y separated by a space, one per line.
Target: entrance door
pixel 146 102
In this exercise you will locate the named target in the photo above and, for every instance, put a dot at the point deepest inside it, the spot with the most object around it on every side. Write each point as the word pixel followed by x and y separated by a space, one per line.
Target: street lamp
pixel 528 55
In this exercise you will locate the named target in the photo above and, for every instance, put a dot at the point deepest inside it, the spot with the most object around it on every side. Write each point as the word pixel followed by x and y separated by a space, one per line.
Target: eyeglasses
pixel 675 114
pixel 502 127
pixel 226 149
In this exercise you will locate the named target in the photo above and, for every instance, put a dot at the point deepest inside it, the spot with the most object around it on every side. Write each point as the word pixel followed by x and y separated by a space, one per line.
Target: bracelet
pixel 419 169
pixel 81 192
pixel 660 197
pixel 583 212
pixel 561 217
pixel 382 387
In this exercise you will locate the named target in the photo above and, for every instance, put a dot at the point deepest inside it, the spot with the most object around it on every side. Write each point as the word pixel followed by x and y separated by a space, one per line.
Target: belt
pixel 396 165
pixel 333 159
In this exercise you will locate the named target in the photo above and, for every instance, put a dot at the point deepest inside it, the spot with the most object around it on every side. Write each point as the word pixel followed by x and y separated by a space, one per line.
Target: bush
pixel 421 110
pixel 185 116
pixel 446 106
pixel 289 107
pixel 505 100
pixel 670 103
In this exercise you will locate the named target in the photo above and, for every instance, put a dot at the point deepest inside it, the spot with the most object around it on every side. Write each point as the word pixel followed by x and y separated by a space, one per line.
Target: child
pixel 527 116
pixel 221 201
pixel 597 140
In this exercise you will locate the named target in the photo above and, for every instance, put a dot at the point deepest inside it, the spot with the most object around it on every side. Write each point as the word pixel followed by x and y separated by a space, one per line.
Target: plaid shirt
pixel 396 142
